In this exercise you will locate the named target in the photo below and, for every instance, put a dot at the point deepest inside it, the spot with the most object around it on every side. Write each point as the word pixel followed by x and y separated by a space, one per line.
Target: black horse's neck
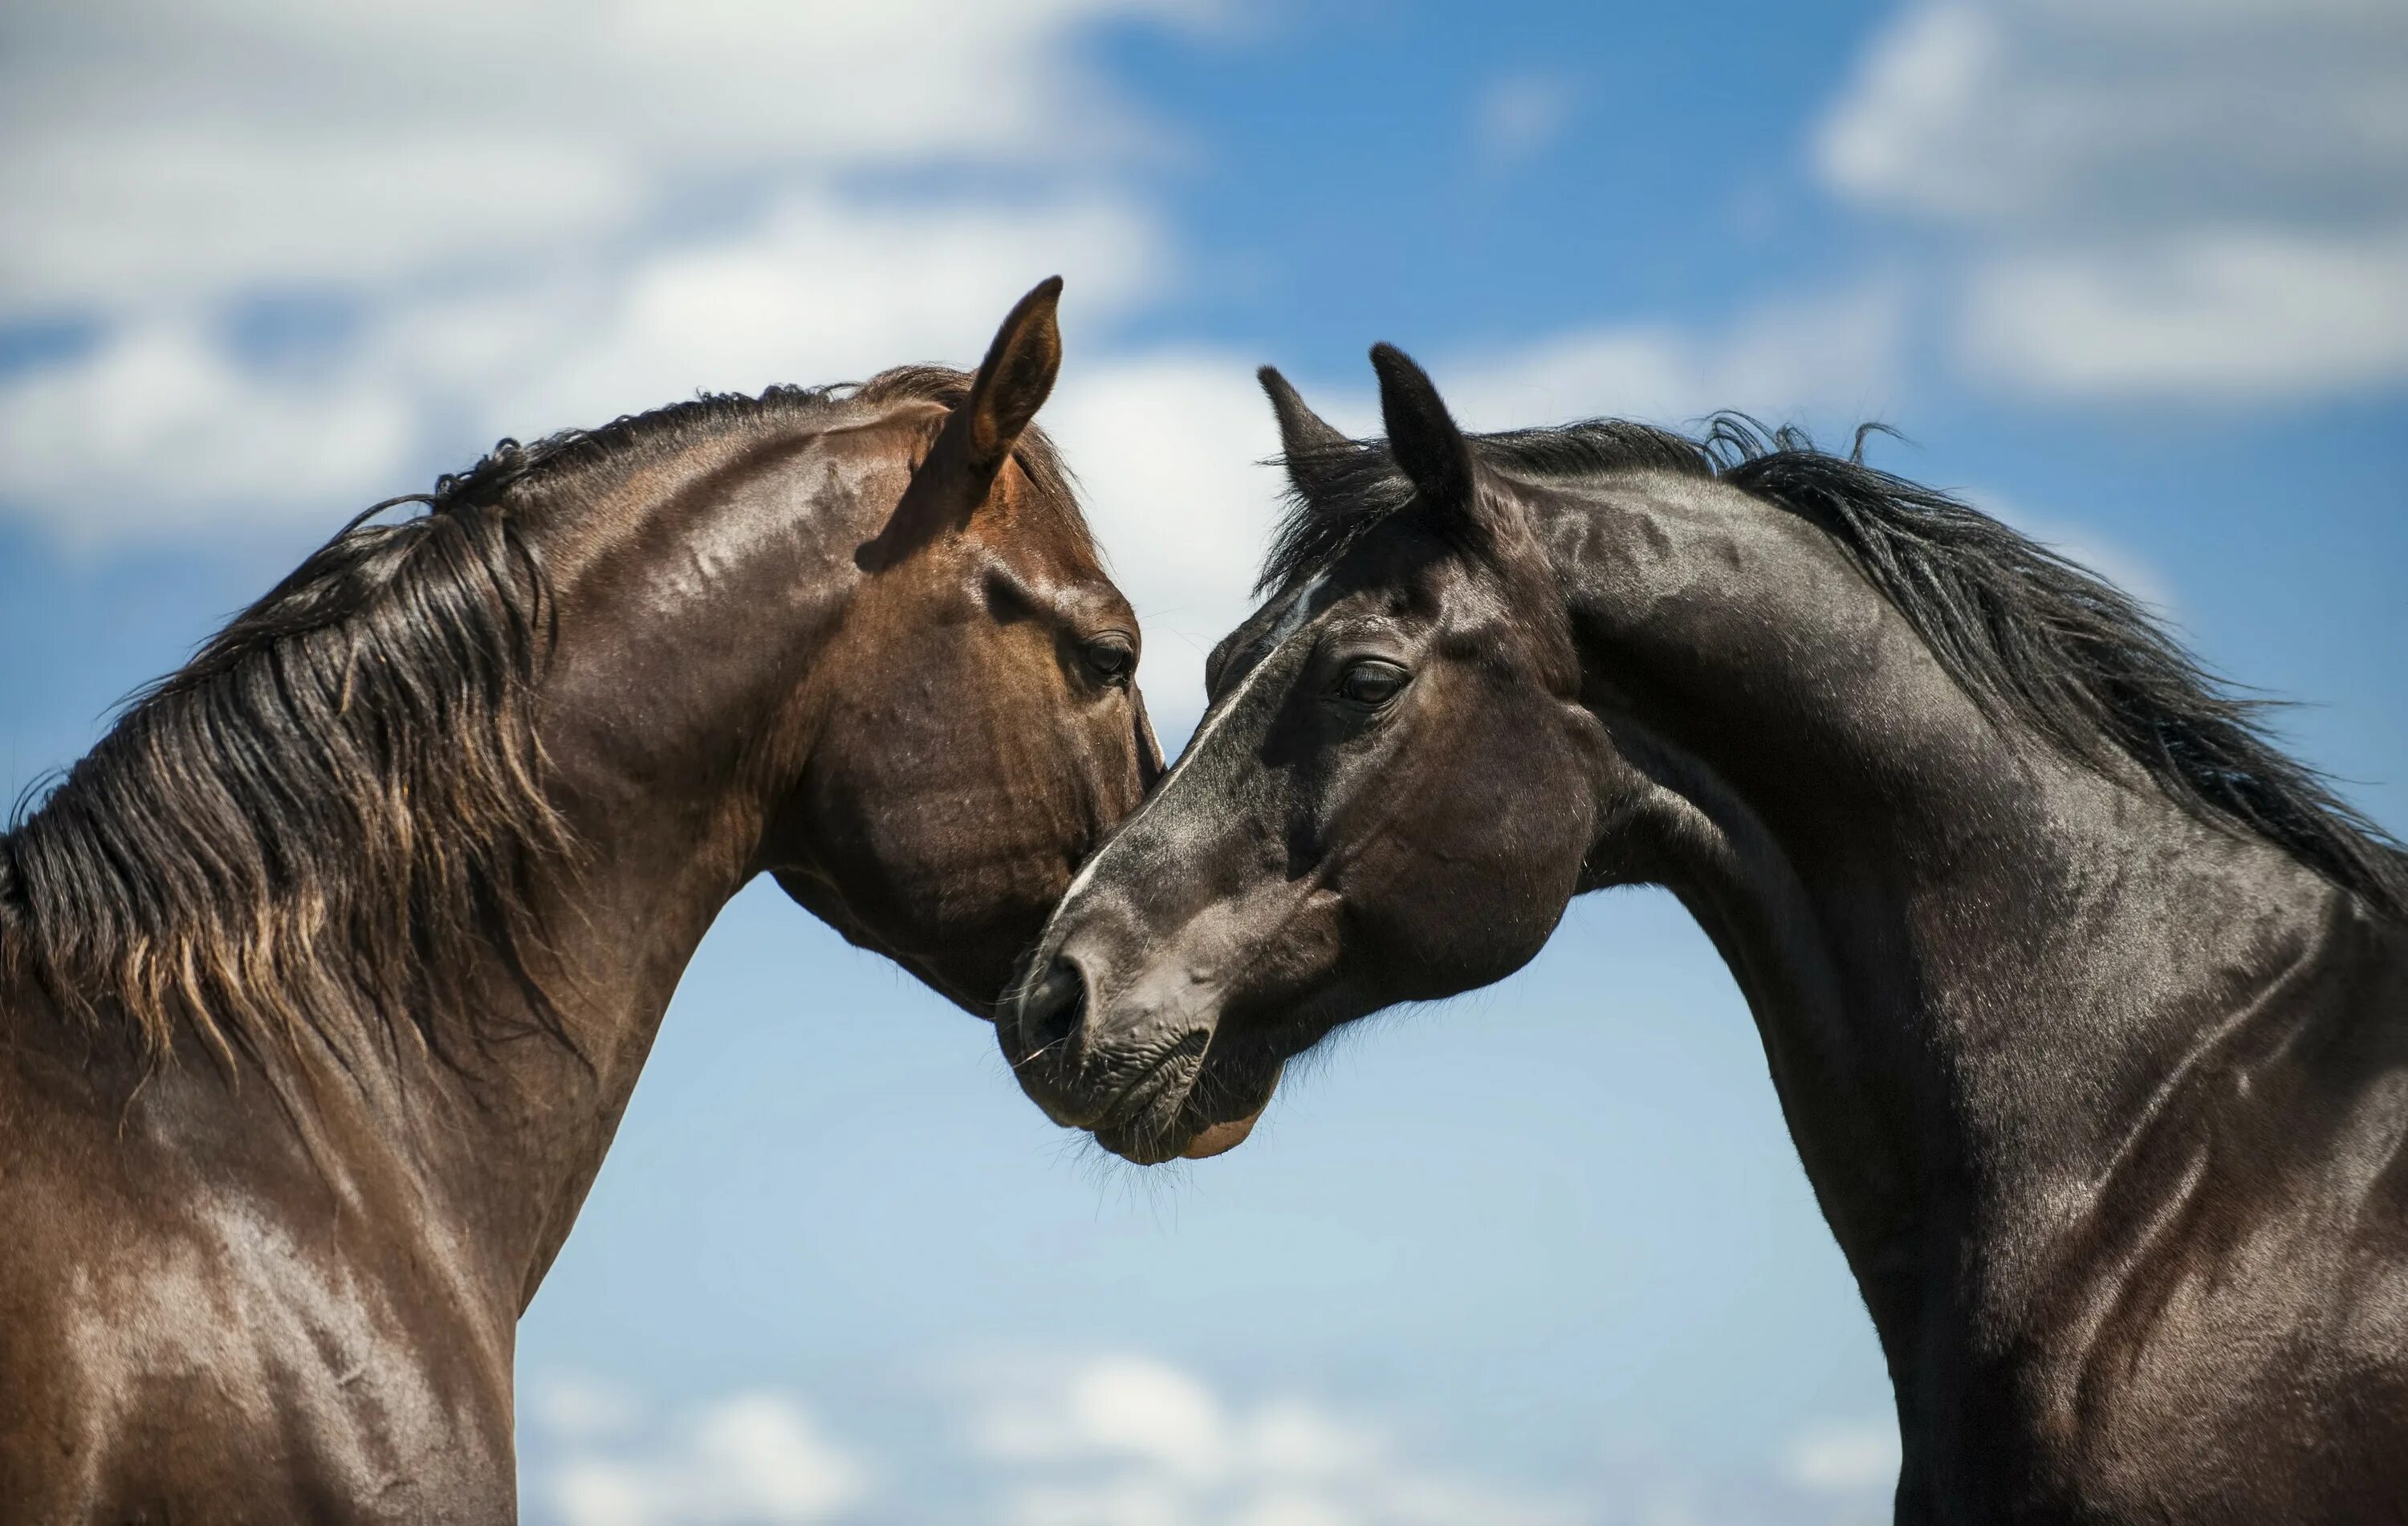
pixel 1977 965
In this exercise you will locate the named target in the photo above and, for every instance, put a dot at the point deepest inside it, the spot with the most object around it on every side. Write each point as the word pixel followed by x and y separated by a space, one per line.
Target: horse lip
pixel 1143 1150
pixel 1132 1101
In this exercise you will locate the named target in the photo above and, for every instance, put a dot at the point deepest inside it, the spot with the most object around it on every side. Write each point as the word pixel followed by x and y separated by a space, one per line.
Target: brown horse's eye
pixel 1371 685
pixel 1111 658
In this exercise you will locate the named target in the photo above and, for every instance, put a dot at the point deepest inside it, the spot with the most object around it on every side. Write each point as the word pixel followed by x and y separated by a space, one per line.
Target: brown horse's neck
pixel 674 710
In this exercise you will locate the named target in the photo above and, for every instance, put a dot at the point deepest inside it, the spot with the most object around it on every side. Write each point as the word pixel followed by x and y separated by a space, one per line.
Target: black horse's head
pixel 1372 812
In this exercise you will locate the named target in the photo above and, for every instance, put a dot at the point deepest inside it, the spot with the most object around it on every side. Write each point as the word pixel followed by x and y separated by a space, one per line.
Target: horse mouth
pixel 1141 1121
pixel 1178 1108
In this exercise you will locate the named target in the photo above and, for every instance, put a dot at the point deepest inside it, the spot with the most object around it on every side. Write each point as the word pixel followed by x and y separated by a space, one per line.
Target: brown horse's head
pixel 1372 812
pixel 974 728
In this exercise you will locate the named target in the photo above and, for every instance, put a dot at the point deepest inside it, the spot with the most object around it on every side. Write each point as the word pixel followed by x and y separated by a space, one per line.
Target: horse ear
pixel 978 437
pixel 1423 436
pixel 1309 448
pixel 1012 384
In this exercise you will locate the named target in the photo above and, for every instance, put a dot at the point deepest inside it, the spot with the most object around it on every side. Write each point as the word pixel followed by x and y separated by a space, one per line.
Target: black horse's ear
pixel 1012 384
pixel 1423 436
pixel 1309 446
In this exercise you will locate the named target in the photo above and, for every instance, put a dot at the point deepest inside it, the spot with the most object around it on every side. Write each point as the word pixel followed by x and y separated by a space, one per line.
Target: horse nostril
pixel 1049 1013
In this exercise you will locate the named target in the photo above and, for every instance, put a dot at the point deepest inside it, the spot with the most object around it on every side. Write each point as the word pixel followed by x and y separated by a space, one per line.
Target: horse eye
pixel 1111 658
pixel 1372 684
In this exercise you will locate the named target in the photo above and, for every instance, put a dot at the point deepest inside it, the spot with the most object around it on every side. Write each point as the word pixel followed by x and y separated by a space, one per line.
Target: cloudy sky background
pixel 2135 275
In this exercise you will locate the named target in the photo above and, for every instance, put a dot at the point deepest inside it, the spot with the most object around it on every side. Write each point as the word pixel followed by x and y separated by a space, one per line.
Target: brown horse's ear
pixel 1429 449
pixel 1012 384
pixel 978 436
pixel 1309 448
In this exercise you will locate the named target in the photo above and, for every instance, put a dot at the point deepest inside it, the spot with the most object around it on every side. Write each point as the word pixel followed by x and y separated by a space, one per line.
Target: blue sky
pixel 2135 275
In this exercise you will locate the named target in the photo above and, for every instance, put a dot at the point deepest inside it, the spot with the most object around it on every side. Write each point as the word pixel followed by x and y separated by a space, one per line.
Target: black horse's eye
pixel 1371 683
pixel 1111 658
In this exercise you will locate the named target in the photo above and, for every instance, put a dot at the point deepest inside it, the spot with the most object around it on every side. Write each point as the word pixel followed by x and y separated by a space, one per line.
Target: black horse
pixel 2088 1008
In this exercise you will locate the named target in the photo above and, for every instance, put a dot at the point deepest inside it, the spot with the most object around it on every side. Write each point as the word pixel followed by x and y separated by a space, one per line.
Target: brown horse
pixel 2087 1008
pixel 325 979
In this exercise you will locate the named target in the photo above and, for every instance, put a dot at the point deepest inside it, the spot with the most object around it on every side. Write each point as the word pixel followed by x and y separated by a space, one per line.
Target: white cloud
pixel 1133 1441
pixel 533 214
pixel 1519 116
pixel 1833 355
pixel 2206 314
pixel 2191 201
pixel 158 152
pixel 161 428
pixel 581 1408
pixel 1168 447
pixel 134 217
pixel 821 289
pixel 165 424
pixel 2124 113
pixel 1116 1502
pixel 1877 146
pixel 1132 1408
pixel 753 1457
pixel 1124 1439
pixel 1844 1459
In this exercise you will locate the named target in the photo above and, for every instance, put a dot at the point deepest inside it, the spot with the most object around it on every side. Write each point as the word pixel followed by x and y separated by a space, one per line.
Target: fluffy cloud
pixel 1124 1439
pixel 757 1457
pixel 158 152
pixel 167 422
pixel 512 216
pixel 2206 313
pixel 163 428
pixel 1518 116
pixel 2072 112
pixel 1132 1441
pixel 1833 355
pixel 1168 449
pixel 2151 199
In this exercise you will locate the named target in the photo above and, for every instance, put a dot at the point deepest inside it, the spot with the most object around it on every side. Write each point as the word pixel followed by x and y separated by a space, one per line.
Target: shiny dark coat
pixel 325 979
pixel 2087 1009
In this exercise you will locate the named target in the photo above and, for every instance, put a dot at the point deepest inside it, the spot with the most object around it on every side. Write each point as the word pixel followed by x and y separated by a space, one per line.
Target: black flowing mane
pixel 2027 632
pixel 339 806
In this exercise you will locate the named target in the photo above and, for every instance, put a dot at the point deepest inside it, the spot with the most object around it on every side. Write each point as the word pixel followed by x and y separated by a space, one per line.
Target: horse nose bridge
pixel 1115 951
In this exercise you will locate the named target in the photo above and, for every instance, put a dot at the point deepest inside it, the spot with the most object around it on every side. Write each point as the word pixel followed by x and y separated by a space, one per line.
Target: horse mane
pixel 339 805
pixel 2028 634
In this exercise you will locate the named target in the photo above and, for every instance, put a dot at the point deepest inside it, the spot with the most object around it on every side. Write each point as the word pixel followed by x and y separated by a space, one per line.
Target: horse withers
pixel 2087 1007
pixel 326 978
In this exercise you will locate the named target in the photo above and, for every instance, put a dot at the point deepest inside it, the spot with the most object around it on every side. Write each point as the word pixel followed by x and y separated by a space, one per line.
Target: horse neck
pixel 684 637
pixel 1970 959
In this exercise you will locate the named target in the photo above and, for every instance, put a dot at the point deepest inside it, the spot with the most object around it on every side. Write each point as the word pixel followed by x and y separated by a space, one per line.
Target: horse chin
pixel 1208 1110
pixel 1187 1136
pixel 1221 1138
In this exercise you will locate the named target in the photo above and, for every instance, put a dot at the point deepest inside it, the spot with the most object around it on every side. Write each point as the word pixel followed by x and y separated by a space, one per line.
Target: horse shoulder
pixel 187 1329
pixel 2232 1330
